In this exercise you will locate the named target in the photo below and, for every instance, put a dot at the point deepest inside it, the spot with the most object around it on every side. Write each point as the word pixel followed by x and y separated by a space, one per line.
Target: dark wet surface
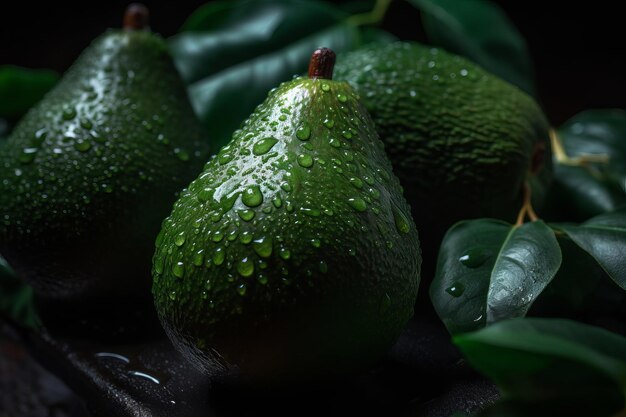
pixel 133 370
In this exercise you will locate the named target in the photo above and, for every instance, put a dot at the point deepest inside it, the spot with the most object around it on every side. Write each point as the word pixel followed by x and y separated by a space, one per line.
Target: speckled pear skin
pixel 461 140
pixel 88 175
pixel 294 253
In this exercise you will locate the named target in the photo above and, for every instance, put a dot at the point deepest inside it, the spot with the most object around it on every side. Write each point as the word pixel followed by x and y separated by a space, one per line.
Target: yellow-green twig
pixel 580 161
pixel 373 17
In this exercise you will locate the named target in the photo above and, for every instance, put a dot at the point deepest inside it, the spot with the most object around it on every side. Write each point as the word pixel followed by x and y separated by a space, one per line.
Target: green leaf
pixel 489 270
pixel 225 33
pixel 21 88
pixel 224 101
pixel 604 238
pixel 588 189
pixel 579 193
pixel 480 31
pixel 553 364
pixel 582 290
pixel 597 132
pixel 233 53
pixel 16 298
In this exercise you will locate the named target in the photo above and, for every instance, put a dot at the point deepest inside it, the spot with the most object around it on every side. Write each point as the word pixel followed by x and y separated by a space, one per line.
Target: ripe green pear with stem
pixel 90 172
pixel 294 253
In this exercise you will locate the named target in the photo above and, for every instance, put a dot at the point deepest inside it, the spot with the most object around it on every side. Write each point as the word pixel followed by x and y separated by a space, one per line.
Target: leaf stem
pixel 373 17
pixel 580 161
pixel 527 207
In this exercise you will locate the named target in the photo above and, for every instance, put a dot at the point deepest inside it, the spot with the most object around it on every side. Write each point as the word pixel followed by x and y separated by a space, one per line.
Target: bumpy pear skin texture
pixel 89 174
pixel 294 253
pixel 461 140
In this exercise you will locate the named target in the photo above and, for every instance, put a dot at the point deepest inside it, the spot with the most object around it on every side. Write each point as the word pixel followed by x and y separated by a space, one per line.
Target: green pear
pixel 294 253
pixel 90 172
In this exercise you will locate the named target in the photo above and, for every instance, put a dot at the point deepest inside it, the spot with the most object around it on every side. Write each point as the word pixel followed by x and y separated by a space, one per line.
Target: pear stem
pixel 136 17
pixel 322 64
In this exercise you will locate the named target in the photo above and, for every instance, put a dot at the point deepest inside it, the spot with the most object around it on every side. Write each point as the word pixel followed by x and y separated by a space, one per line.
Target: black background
pixel 578 52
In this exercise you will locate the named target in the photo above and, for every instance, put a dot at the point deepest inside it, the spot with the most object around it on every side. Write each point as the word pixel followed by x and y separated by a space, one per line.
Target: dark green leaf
pixel 225 100
pixel 581 289
pixel 586 190
pixel 222 34
pixel 579 193
pixel 604 238
pixel 16 298
pixel 551 364
pixel 597 132
pixel 479 30
pixel 489 270
pixel 21 88
pixel 232 53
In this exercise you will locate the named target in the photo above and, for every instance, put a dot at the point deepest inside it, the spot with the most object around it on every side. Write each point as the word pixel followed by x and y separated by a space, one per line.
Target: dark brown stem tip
pixel 136 17
pixel 322 63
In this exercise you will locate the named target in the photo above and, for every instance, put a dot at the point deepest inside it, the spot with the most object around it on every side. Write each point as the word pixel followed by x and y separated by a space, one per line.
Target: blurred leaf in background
pixel 604 238
pixel 582 290
pixel 21 88
pixel 550 367
pixel 232 53
pixel 589 166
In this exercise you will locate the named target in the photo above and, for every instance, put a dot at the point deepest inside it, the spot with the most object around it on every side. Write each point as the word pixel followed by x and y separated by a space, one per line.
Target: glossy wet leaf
pixel 489 270
pixel 581 192
pixel 16 298
pixel 232 53
pixel 224 33
pixel 21 88
pixel 580 288
pixel 604 238
pixel 550 364
pixel 480 31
